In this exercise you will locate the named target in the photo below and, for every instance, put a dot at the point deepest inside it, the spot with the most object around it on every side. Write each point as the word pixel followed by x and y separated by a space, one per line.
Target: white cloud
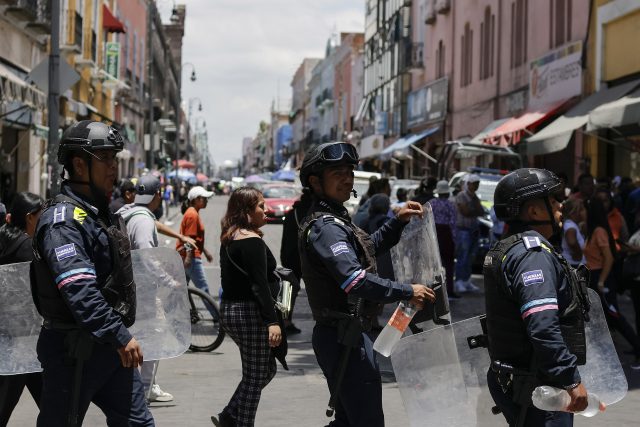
pixel 244 50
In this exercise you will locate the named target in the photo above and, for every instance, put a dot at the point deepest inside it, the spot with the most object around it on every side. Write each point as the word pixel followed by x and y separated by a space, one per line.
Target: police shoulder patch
pixel 65 251
pixel 531 242
pixel 339 248
pixel 79 214
pixel 532 277
pixel 59 213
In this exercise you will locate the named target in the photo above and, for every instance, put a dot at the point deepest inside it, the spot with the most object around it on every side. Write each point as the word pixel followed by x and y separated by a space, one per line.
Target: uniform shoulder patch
pixel 532 277
pixel 59 213
pixel 339 248
pixel 79 214
pixel 65 251
pixel 531 242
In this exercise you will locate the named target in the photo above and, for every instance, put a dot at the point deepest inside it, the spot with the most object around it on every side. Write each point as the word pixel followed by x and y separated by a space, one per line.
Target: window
pixel 559 22
pixel 466 53
pixel 519 31
pixel 440 60
pixel 487 32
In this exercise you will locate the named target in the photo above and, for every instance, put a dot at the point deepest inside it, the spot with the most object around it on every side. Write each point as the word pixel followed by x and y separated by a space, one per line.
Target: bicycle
pixel 206 330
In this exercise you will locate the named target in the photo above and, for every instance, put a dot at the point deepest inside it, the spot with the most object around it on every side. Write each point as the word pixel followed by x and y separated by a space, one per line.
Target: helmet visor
pixel 337 152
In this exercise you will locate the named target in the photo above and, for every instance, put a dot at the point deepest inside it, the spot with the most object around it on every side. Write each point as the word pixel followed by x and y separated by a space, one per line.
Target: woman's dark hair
pixel 607 193
pixel 23 204
pixel 242 202
pixel 597 217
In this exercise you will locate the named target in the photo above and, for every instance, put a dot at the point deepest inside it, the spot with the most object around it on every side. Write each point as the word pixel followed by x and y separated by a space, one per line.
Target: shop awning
pixel 14 88
pixel 110 23
pixel 622 112
pixel 511 131
pixel 556 136
pixel 479 138
pixel 408 140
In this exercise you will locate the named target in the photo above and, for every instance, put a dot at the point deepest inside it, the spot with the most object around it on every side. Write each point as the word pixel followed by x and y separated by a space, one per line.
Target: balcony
pixel 413 54
pixel 42 23
pixel 443 6
pixel 22 10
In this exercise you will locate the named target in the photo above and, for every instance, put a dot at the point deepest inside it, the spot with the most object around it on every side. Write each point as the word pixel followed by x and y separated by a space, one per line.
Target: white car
pixel 360 185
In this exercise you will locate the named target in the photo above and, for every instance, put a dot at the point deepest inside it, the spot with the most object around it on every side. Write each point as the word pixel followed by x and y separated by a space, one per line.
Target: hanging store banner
pixel 113 59
pixel 428 104
pixel 556 76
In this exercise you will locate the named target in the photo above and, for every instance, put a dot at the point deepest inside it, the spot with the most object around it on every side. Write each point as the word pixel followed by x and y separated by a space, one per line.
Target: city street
pixel 203 382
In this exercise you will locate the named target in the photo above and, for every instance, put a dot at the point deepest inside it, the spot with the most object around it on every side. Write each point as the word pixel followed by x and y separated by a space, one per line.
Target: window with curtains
pixel 466 54
pixel 487 37
pixel 559 22
pixel 519 30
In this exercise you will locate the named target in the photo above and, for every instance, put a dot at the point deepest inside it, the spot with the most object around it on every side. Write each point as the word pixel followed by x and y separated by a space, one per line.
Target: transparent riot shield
pixel 162 325
pixel 442 379
pixel 416 259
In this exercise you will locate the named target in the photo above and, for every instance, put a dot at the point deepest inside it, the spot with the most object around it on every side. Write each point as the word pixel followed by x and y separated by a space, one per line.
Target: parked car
pixel 278 200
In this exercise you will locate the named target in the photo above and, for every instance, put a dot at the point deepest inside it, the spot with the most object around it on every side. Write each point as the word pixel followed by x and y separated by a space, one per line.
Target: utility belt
pixel 57 325
pixel 520 382
pixel 350 327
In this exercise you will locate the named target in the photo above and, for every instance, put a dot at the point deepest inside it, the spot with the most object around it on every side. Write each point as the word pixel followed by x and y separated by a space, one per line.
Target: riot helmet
pixel 523 185
pixel 325 155
pixel 88 136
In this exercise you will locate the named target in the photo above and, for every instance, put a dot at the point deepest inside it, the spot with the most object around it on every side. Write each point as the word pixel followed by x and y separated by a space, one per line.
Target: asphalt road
pixel 203 382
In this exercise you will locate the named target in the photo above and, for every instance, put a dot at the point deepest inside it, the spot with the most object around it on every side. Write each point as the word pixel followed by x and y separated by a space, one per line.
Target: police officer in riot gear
pixel 82 284
pixel 339 271
pixel 536 304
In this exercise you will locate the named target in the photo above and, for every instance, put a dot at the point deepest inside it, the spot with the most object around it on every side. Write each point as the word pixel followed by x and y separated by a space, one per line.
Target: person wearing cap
pixel 127 193
pixel 467 233
pixel 141 227
pixel 192 226
pixel 339 271
pixel 445 216
pixel 82 284
pixel 536 304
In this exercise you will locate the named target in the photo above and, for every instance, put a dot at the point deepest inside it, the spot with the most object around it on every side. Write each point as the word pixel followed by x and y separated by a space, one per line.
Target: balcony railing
pixel 413 53
pixel 42 23
pixel 22 10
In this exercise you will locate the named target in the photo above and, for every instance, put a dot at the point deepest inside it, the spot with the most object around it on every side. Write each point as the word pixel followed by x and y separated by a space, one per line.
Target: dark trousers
pixel 116 390
pixel 11 387
pixel 612 313
pixel 359 402
pixel 534 417
pixel 447 252
pixel 242 321
pixel 634 289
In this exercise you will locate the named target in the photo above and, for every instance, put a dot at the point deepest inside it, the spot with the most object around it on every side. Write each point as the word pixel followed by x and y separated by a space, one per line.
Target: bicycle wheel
pixel 206 331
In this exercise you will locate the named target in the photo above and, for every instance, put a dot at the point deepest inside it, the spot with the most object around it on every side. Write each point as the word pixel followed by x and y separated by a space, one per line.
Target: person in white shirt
pixel 573 214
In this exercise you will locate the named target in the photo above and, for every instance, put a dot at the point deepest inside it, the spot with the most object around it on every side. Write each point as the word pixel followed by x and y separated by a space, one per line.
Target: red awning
pixel 184 164
pixel 511 131
pixel 110 23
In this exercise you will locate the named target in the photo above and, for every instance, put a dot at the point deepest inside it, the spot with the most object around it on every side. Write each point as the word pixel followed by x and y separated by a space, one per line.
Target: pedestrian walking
pixel 16 246
pixel 141 228
pixel 534 304
pixel 445 217
pixel 248 312
pixel 573 214
pixel 193 227
pixel 379 205
pixel 127 192
pixel 339 272
pixel 84 290
pixel 425 190
pixel 290 254
pixel 467 233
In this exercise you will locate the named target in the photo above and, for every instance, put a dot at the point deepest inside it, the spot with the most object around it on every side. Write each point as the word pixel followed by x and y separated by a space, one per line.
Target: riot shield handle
pixel 482 340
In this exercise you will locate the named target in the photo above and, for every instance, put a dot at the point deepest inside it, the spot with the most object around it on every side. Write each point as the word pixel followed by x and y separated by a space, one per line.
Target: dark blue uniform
pixel 332 264
pixel 77 252
pixel 541 289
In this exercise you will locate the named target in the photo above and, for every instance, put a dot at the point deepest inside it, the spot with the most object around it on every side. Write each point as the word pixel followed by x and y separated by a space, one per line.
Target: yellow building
pixel 612 136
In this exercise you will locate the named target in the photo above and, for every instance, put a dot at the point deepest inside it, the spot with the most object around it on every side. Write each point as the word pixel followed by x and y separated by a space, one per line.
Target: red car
pixel 278 200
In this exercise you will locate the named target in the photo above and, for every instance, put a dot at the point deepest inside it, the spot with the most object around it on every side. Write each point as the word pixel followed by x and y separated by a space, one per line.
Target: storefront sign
pixel 516 102
pixel 371 146
pixel 113 59
pixel 382 122
pixel 428 104
pixel 556 76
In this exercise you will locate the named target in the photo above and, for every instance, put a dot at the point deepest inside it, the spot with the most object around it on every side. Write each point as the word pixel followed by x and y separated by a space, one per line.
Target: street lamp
pixel 193 71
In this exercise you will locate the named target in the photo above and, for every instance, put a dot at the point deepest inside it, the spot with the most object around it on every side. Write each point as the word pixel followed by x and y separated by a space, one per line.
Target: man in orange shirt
pixel 193 227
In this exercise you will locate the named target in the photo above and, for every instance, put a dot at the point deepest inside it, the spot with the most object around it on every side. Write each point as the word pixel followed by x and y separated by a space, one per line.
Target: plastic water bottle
pixel 549 398
pixel 394 329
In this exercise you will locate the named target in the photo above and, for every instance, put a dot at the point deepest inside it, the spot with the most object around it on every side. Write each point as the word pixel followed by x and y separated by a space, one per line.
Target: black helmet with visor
pixel 325 155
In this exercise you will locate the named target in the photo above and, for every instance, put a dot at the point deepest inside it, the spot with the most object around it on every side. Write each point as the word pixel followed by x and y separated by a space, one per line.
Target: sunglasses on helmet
pixel 337 152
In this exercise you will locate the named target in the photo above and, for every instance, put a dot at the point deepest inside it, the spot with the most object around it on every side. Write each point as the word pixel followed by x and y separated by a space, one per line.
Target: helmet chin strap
pixel 98 197
pixel 551 221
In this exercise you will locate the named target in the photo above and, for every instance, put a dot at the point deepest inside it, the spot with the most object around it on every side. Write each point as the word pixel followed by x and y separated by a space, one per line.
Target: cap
pixel 146 188
pixel 199 191
pixel 472 177
pixel 443 187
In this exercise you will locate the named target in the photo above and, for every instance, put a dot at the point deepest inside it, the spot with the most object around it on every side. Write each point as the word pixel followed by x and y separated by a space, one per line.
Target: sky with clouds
pixel 245 53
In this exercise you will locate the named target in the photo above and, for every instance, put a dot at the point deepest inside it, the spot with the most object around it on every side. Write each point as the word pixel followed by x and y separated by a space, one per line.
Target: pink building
pixel 344 89
pixel 490 50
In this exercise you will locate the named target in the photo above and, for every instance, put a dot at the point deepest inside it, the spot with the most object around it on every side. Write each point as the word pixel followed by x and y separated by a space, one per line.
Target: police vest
pixel 508 339
pixel 119 289
pixel 324 294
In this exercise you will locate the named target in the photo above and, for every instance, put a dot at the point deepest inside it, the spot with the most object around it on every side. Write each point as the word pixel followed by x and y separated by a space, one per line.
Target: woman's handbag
pixel 283 294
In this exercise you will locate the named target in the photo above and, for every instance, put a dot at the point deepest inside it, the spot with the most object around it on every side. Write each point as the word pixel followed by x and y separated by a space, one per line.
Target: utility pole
pixel 53 100
pixel 150 17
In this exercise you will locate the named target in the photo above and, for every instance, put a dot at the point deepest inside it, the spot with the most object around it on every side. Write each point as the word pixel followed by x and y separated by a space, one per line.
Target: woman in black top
pixel 247 309
pixel 15 246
